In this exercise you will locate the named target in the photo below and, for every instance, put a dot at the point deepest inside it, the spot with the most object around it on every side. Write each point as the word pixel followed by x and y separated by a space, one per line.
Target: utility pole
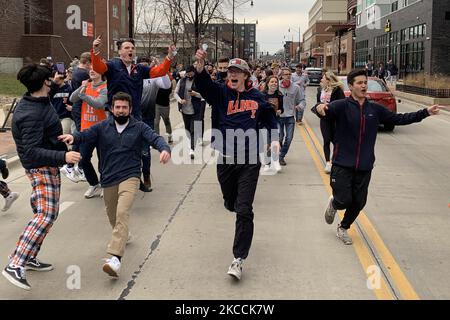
pixel 232 35
pixel 217 43
pixel 130 19
pixel 196 26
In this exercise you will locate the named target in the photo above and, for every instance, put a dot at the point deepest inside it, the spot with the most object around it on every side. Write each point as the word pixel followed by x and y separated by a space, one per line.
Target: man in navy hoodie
pixel 240 108
pixel 357 121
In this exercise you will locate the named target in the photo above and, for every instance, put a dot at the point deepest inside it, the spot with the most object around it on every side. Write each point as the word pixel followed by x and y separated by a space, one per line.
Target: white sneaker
pixel 342 234
pixel 80 173
pixel 276 165
pixel 265 170
pixel 93 191
pixel 70 173
pixel 64 170
pixel 235 270
pixel 112 267
pixel 9 200
pixel 327 168
pixel 330 211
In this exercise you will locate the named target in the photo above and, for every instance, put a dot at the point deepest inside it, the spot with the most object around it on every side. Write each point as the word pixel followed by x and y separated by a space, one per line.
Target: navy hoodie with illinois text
pixel 238 113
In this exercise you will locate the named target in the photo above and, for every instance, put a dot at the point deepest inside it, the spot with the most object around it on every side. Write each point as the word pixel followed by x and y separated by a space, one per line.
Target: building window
pixel 251 45
pixel 361 53
pixel 394 6
pixel 405 3
pixel 447 15
pixel 412 57
pixel 358 20
pixel 115 11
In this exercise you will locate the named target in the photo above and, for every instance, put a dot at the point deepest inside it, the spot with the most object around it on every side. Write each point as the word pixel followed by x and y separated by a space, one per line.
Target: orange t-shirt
pixel 90 115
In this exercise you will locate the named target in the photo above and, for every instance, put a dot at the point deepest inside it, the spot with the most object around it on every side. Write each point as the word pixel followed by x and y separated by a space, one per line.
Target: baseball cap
pixel 240 64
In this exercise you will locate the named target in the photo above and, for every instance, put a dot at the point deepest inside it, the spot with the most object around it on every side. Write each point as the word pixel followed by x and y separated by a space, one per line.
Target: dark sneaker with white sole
pixel 36 265
pixel 16 275
pixel 330 211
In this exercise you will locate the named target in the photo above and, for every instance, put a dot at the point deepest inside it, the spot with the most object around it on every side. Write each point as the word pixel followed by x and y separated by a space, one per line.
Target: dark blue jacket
pixel 357 128
pixel 119 80
pixel 35 129
pixel 120 153
pixel 235 110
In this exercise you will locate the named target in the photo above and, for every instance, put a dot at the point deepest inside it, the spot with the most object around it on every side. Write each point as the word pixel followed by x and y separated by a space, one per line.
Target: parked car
pixel 377 92
pixel 314 75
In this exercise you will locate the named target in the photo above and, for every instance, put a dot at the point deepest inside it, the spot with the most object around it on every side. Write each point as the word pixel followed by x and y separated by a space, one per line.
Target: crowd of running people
pixel 115 108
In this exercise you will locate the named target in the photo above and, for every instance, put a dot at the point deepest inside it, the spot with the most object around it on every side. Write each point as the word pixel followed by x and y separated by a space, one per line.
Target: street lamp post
pixel 299 40
pixel 232 32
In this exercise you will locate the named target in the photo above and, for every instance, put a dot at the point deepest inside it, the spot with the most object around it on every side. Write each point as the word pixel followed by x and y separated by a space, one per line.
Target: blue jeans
pixel 299 114
pixel 86 150
pixel 146 155
pixel 286 125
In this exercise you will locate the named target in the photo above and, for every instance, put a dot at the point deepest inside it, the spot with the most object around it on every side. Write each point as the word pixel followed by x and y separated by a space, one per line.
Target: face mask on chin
pixel 285 83
pixel 121 119
pixel 223 75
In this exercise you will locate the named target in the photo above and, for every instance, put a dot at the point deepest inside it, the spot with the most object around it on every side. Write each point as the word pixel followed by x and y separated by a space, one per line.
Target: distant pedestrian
pixel 331 89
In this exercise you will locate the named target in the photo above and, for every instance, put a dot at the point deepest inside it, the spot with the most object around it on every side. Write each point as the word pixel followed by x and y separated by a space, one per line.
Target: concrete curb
pixel 13 162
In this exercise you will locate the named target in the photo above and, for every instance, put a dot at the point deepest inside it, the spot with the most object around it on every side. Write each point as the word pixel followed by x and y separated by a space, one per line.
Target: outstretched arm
pixel 401 119
pixel 97 62
pixel 208 89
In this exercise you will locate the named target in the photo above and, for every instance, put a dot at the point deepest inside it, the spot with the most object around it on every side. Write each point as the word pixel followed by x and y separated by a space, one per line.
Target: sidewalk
pixel 7 145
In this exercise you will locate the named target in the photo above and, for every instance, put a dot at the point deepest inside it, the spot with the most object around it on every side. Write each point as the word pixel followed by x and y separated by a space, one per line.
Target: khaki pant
pixel 66 124
pixel 118 201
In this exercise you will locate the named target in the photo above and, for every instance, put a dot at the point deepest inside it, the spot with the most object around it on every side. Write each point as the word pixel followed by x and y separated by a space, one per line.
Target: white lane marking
pixel 65 205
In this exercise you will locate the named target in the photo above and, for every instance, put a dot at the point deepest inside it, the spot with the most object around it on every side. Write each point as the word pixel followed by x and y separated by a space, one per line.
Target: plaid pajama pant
pixel 4 190
pixel 46 184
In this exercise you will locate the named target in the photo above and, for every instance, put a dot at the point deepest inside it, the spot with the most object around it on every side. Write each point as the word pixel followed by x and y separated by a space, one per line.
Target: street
pixel 182 234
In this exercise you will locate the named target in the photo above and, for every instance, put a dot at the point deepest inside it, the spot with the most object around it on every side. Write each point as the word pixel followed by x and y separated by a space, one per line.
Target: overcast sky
pixel 274 19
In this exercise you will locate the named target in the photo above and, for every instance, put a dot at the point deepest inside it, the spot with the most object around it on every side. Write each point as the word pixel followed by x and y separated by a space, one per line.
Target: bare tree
pixel 148 25
pixel 31 9
pixel 184 12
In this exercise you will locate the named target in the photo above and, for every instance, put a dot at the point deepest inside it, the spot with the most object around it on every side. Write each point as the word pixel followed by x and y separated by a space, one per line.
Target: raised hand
pixel 172 52
pixel 201 57
pixel 97 44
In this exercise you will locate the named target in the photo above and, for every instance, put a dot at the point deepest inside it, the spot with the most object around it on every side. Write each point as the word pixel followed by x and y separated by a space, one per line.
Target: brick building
pixel 413 33
pixel 322 15
pixel 64 29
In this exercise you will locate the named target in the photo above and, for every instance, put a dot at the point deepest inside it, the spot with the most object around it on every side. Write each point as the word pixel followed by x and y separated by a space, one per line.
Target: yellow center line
pixel 405 288
pixel 365 258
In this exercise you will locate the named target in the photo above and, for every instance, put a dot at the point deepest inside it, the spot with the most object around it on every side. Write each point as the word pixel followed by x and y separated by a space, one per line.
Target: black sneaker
pixel 143 188
pixel 36 265
pixel 16 275
pixel 5 173
pixel 282 162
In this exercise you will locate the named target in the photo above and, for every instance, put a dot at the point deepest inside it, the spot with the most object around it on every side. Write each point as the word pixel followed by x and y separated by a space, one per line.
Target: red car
pixel 377 92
